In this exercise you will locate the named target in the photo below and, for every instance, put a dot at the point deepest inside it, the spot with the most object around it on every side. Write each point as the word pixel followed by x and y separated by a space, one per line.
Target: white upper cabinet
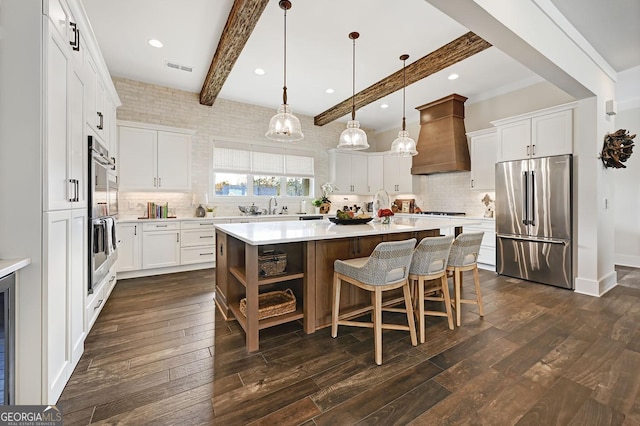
pixel 375 173
pixel 539 134
pixel 65 150
pixel 483 149
pixel 365 173
pixel 153 159
pixel 97 115
pixel 397 174
pixel 349 172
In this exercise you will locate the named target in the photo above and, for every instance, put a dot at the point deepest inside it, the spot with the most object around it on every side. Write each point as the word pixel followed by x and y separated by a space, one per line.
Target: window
pixel 252 172
pixel 230 184
pixel 266 185
pixel 298 187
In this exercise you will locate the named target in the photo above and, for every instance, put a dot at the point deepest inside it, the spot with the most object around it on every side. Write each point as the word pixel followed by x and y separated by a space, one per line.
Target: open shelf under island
pixel 311 248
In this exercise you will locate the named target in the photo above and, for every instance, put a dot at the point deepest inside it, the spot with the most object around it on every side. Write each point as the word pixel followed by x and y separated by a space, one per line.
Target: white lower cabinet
pixel 63 297
pixel 161 245
pixel 198 242
pixel 130 248
pixel 487 254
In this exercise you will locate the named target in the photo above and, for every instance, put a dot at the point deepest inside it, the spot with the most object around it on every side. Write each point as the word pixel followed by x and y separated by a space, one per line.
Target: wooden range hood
pixel 442 143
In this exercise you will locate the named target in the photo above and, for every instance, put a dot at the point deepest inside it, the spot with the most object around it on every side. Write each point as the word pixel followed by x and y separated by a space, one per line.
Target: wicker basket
pixel 272 263
pixel 272 304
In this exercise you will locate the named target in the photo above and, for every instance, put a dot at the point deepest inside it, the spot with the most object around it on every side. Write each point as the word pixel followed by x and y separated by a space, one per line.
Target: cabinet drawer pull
pixel 75 43
pixel 206 254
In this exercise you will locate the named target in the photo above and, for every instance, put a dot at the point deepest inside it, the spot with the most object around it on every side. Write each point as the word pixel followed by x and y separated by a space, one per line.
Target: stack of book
pixel 157 211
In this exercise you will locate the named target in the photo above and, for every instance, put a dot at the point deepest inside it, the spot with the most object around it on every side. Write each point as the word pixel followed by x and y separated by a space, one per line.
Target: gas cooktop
pixel 445 213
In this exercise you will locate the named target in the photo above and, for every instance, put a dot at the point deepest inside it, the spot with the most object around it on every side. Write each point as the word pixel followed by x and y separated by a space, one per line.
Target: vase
pixel 324 208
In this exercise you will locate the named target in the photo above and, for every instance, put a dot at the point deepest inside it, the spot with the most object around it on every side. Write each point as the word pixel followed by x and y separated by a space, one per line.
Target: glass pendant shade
pixel 403 145
pixel 284 126
pixel 353 137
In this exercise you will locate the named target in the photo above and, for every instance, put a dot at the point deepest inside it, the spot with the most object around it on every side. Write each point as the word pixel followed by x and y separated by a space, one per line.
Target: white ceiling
pixel 319 50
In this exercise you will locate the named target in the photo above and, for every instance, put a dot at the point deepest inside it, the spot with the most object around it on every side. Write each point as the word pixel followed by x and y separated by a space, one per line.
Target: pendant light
pixel 284 126
pixel 403 146
pixel 353 137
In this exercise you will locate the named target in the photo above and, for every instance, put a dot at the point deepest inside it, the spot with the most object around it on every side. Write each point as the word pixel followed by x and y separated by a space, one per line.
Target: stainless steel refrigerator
pixel 534 220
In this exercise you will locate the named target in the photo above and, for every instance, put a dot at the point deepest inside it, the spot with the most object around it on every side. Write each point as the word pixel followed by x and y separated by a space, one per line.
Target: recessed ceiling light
pixel 329 90
pixel 453 76
pixel 155 43
pixel 384 106
pixel 259 71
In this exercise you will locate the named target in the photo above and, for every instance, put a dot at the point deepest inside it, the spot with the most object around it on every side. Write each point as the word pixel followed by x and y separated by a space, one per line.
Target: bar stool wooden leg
pixel 456 285
pixel 420 301
pixel 476 280
pixel 447 301
pixel 377 325
pixel 410 320
pixel 335 312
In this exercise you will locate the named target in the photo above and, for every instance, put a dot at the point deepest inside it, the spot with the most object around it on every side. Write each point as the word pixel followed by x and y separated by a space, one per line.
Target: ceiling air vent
pixel 179 67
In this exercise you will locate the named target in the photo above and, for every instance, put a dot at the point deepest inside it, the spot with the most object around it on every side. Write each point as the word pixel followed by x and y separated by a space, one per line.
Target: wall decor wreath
pixel 617 148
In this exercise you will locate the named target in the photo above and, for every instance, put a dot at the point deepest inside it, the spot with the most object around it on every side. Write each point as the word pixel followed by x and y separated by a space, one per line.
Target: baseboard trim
pixel 596 288
pixel 626 260
pixel 161 271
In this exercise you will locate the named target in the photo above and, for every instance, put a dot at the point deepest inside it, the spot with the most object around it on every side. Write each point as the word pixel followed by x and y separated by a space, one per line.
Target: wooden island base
pixel 309 274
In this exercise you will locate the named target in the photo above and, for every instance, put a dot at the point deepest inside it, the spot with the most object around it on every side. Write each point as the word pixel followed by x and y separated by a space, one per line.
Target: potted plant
pixel 317 203
pixel 325 203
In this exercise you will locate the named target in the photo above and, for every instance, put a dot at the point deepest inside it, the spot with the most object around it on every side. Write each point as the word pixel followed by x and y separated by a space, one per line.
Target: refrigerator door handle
pixel 525 198
pixel 534 240
pixel 532 199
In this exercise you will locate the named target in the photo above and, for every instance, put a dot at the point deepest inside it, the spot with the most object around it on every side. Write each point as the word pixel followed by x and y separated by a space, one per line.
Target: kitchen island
pixel 311 247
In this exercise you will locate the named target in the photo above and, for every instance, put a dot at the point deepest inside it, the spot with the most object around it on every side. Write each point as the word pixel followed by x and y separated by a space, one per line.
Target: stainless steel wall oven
pixel 103 212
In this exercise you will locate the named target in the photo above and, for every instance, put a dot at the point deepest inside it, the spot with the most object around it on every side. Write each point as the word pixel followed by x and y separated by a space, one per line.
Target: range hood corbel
pixel 442 143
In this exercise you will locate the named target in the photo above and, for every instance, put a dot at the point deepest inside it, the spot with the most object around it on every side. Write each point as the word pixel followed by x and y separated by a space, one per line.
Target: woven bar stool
pixel 464 257
pixel 386 269
pixel 429 271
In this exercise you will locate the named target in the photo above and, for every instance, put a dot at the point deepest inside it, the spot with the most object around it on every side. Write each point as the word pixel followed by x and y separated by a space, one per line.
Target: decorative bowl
pixel 350 221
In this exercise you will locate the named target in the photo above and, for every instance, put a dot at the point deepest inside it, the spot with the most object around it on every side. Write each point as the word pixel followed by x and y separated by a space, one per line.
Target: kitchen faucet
pixel 275 203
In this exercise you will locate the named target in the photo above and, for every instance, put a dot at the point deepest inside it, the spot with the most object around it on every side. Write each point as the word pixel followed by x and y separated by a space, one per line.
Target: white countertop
pixel 258 216
pixel 308 230
pixel 8 266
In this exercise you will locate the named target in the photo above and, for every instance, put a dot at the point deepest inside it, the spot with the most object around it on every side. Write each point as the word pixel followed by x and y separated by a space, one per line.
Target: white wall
pixel 626 197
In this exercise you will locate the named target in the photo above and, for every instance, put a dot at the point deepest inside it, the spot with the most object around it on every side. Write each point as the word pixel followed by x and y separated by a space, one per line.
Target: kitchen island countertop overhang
pixel 310 249
pixel 298 231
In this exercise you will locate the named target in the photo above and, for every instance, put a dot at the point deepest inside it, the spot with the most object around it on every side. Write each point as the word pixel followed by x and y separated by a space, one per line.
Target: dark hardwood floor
pixel 160 354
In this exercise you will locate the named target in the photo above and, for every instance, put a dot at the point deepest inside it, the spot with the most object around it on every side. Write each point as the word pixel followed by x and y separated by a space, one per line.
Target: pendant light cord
pixel 284 88
pixel 353 36
pixel 404 86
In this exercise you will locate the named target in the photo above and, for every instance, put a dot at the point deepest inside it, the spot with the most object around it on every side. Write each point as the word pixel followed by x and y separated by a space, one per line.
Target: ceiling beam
pixel 241 21
pixel 459 49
